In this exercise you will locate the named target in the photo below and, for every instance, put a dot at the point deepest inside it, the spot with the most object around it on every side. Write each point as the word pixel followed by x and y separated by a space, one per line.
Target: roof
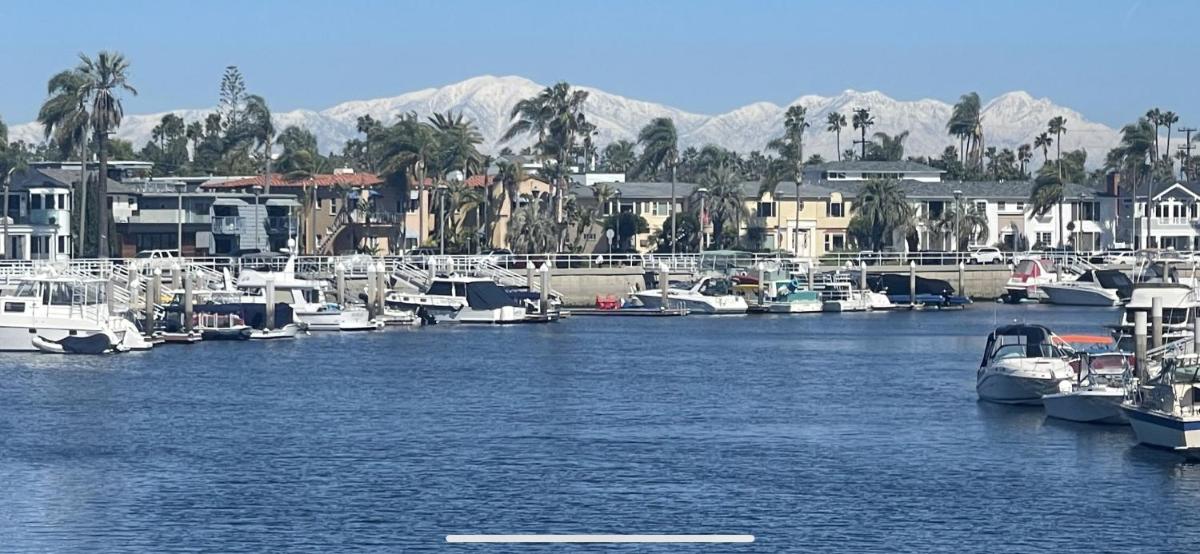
pixel 278 180
pixel 871 165
pixel 41 177
pixel 945 190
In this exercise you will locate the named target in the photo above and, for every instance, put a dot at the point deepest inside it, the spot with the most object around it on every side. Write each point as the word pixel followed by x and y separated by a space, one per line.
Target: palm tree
pixel 835 122
pixel 1154 116
pixel 1058 126
pixel 881 210
pixel 458 142
pixel 619 156
pixel 1131 158
pixel 965 123
pixel 369 127
pixel 724 201
pixel 104 78
pixel 888 148
pixel 791 153
pixel 1046 194
pixel 530 230
pixel 660 150
pixel 862 120
pixel 408 148
pixel 1169 119
pixel 969 226
pixel 1024 155
pixel 1044 141
pixel 65 120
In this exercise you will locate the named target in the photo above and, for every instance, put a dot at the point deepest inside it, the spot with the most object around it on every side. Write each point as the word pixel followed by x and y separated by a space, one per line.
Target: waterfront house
pixel 1172 223
pixel 38 207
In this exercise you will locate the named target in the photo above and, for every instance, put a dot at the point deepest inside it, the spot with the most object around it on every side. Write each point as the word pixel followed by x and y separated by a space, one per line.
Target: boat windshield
pixel 716 287
pixel 27 289
pixel 67 293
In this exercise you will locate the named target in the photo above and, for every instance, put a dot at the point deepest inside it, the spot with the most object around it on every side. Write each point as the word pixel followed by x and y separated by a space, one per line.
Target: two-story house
pixel 38 206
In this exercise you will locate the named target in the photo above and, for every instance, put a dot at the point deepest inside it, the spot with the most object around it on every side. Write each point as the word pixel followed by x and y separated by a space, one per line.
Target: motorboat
pixel 841 296
pixel 1165 410
pixel 1028 277
pixel 1021 364
pixel 458 299
pixel 307 299
pixel 50 308
pixel 1095 396
pixel 707 295
pixel 1094 287
pixel 928 292
pixel 288 331
pixel 791 297
pixel 1178 307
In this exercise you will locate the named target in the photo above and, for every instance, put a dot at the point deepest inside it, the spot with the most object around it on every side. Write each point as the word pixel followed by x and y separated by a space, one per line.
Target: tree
pixel 407 148
pixel 66 122
pixel 370 128
pixel 530 230
pixel 1154 116
pixel 966 223
pixel 1024 156
pixel 881 210
pixel 887 148
pixel 1047 193
pixel 724 202
pixel 626 227
pixel 1044 141
pixel 104 79
pixel 835 123
pixel 660 150
pixel 790 165
pixel 862 121
pixel 619 156
pixel 1058 126
pixel 966 124
pixel 1132 159
pixel 458 143
pixel 687 238
pixel 1168 120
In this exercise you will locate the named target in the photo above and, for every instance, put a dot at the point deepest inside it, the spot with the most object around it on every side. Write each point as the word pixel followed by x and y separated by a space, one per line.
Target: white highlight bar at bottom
pixel 600 538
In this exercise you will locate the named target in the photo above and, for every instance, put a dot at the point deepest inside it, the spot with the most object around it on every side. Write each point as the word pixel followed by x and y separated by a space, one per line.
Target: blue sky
pixel 1110 60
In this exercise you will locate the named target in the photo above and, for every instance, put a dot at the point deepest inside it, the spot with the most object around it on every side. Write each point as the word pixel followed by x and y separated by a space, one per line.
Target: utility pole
pixel 1185 170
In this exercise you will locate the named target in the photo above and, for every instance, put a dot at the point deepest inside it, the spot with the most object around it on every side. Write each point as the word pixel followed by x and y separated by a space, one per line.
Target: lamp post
pixel 957 217
pixel 617 217
pixel 7 182
pixel 179 219
pixel 703 192
pixel 441 189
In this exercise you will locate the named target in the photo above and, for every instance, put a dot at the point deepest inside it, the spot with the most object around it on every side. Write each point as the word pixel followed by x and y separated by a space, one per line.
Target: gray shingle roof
pixel 868 165
pixel 41 177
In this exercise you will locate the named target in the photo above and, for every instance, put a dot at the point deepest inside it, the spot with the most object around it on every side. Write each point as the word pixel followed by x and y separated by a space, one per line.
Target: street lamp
pixel 957 217
pixel 257 221
pixel 703 192
pixel 441 189
pixel 179 218
pixel 7 182
pixel 617 217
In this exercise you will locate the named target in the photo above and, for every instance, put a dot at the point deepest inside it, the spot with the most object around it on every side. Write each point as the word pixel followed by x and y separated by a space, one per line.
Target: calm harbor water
pixel 849 433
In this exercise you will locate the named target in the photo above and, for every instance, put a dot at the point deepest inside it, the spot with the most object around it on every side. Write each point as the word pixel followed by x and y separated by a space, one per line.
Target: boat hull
pixel 1067 295
pixel 712 305
pixel 1015 389
pixel 20 339
pixel 1087 406
pixel 1163 431
pixel 795 307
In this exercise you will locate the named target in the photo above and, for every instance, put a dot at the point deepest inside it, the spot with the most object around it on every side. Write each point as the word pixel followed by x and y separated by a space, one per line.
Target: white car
pixel 986 255
pixel 1121 257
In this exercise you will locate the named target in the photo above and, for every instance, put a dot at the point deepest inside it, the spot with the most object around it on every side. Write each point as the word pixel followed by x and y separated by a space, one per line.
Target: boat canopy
pixel 1023 340
pixel 487 295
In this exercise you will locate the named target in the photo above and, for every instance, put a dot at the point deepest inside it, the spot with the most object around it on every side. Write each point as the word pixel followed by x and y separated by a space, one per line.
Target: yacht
pixel 307 298
pixel 791 297
pixel 1021 364
pixel 1096 395
pixel 1028 277
pixel 1165 410
pixel 1178 301
pixel 1095 287
pixel 51 308
pixel 457 299
pixel 707 295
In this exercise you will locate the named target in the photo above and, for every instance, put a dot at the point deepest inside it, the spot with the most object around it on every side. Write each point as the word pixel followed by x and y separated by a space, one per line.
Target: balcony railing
pixel 227 224
pixel 1173 221
pixel 281 224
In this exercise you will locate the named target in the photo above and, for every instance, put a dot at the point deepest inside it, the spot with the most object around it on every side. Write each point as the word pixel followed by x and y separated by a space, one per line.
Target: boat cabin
pixel 1021 341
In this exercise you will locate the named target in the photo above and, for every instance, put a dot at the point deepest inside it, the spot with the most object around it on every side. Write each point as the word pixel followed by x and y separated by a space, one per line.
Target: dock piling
pixel 270 324
pixel 544 296
pixel 381 287
pixel 1139 342
pixel 339 272
pixel 372 282
pixel 150 301
pixel 912 284
pixel 762 284
pixel 1156 322
pixel 188 300
pixel 962 282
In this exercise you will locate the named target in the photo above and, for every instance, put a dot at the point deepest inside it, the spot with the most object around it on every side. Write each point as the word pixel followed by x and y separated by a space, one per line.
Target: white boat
pixel 1096 396
pixel 841 296
pixel 1177 302
pixel 52 308
pixel 456 299
pixel 1102 287
pixel 1165 411
pixel 1021 364
pixel 707 295
pixel 307 298
pixel 791 297
pixel 288 331
pixel 1029 276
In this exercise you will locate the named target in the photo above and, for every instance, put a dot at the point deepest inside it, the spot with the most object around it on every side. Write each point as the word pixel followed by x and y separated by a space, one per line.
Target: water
pixel 850 433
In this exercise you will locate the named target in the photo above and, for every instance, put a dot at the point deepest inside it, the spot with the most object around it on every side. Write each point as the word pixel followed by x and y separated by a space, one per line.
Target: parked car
pixel 985 255
pixel 423 251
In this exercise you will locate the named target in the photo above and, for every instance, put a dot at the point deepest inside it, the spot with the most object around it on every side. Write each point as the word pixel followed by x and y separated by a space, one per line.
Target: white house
pixel 37 224
pixel 1174 220
pixel 866 170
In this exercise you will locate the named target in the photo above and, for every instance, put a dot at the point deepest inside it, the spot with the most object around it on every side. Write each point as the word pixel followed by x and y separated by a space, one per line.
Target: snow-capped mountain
pixel 1009 120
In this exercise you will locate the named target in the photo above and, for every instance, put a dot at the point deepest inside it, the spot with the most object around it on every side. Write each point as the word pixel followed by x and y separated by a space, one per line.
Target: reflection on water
pixel 854 432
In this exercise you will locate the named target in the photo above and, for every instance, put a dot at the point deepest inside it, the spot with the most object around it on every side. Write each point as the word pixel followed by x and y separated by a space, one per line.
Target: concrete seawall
pixel 581 286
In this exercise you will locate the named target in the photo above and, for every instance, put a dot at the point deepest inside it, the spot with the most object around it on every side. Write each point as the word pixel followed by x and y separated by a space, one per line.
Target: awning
pixel 289 202
pixel 229 202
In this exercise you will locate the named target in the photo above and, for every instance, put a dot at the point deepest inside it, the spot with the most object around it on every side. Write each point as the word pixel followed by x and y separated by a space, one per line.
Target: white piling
pixel 912 284
pixel 151 300
pixel 810 275
pixel 529 267
pixel 189 300
pixel 962 282
pixel 270 324
pixel 762 284
pixel 544 294
pixel 371 284
pixel 1156 322
pixel 339 272
pixel 381 287
pixel 1139 342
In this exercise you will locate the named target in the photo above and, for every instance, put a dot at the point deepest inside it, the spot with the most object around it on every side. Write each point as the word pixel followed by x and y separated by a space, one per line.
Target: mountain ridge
pixel 1009 119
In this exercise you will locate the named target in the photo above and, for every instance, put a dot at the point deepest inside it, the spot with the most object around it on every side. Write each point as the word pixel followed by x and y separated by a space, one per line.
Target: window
pixel 981 205
pixel 766 209
pixel 62 244
pixel 1086 211
pixel 835 241
pixel 835 175
pixel 1020 206
pixel 35 201
pixel 835 209
pixel 934 209
pixel 1044 238
pixel 155 241
pixel 659 208
pixel 332 207
pixel 1002 206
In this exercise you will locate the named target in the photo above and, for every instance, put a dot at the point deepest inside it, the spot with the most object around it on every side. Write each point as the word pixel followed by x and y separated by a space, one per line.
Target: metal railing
pixel 227 224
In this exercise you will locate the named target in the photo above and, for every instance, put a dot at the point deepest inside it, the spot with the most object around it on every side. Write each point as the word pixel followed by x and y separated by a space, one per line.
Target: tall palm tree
pixel 724 201
pixel 791 153
pixel 660 150
pixel 1047 193
pixel 530 230
pixel 65 120
pixel 888 148
pixel 965 123
pixel 971 225
pixel 881 210
pixel 862 120
pixel 1168 119
pixel 1154 116
pixel 834 124
pixel 459 142
pixel 260 129
pixel 1024 155
pixel 619 156
pixel 408 148
pixel 104 79
pixel 1058 126
pixel 1044 141
pixel 1132 158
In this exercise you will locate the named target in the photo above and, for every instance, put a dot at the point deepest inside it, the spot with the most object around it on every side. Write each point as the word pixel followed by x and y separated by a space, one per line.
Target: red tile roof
pixel 277 180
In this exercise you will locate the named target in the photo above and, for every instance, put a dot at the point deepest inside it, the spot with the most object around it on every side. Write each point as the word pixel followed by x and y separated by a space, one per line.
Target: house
pixel 38 204
pixel 339 212
pixel 868 170
pixel 1173 222
pixel 178 215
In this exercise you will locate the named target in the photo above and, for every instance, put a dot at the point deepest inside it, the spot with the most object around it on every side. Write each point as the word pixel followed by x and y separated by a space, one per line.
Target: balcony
pixel 227 224
pixel 1175 221
pixel 168 216
pixel 281 225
